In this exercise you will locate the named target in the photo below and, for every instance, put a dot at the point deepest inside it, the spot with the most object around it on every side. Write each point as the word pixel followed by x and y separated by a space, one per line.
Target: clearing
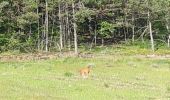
pixel 114 77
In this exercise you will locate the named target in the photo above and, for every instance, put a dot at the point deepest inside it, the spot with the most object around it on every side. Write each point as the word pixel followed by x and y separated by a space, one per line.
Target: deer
pixel 84 72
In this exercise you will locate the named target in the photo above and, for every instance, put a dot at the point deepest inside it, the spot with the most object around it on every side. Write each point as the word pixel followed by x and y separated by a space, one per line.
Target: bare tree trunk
pixel 30 32
pixel 8 27
pixel 168 41
pixel 61 35
pixel 133 28
pixel 142 35
pixel 46 27
pixel 75 31
pixel 43 33
pixel 38 23
pixel 124 32
pixel 19 31
pixel 52 28
pixel 69 38
pixel 125 19
pixel 95 34
pixel 64 32
pixel 167 27
pixel 150 32
pixel 167 24
pixel 52 32
pixel 102 41
pixel 38 44
pixel 67 27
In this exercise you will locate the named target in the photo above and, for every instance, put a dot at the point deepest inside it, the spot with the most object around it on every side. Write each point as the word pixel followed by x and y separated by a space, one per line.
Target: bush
pixel 68 74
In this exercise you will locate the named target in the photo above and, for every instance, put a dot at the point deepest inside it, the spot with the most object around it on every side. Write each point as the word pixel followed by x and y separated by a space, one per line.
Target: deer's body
pixel 84 72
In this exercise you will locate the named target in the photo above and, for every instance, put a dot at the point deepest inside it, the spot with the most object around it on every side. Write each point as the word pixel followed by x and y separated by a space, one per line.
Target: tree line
pixel 57 25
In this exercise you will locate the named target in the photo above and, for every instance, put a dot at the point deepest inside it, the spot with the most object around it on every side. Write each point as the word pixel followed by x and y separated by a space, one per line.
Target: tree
pixel 75 29
pixel 106 30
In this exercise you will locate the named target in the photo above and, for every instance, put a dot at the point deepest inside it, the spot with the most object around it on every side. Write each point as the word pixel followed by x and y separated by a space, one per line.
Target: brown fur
pixel 84 72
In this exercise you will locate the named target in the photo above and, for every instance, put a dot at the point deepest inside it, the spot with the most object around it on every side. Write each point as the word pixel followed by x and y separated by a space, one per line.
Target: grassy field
pixel 114 77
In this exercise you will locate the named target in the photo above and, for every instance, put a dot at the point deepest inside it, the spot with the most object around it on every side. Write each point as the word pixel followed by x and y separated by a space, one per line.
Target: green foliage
pixel 13 44
pixel 3 43
pixel 168 89
pixel 3 40
pixel 84 14
pixel 27 19
pixel 142 45
pixel 68 74
pixel 30 5
pixel 3 4
pixel 111 19
pixel 106 29
pixel 27 46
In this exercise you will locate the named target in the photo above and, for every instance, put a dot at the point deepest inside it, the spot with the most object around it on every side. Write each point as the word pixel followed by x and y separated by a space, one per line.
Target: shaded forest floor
pixel 119 74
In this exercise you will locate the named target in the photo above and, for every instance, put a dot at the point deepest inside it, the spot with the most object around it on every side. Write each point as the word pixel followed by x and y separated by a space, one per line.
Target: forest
pixel 66 25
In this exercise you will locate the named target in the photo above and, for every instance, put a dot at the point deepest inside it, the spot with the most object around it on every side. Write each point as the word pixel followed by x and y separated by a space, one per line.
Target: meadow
pixel 115 76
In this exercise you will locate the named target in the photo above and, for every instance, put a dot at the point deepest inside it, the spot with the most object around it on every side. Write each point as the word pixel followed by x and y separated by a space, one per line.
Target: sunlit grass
pixel 114 77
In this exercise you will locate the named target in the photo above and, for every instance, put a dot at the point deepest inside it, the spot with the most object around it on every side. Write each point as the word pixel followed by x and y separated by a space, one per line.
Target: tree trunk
pixel 102 41
pixel 125 19
pixel 43 32
pixel 46 27
pixel 67 27
pixel 168 41
pixel 30 32
pixel 64 32
pixel 142 35
pixel 95 34
pixel 150 32
pixel 167 27
pixel 75 31
pixel 38 28
pixel 52 33
pixel 133 28
pixel 60 21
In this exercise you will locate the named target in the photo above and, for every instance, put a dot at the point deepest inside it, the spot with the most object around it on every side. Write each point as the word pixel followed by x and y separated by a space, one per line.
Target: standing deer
pixel 84 72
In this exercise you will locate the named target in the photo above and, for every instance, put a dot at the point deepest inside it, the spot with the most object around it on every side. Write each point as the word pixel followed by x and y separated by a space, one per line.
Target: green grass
pixel 126 50
pixel 114 77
